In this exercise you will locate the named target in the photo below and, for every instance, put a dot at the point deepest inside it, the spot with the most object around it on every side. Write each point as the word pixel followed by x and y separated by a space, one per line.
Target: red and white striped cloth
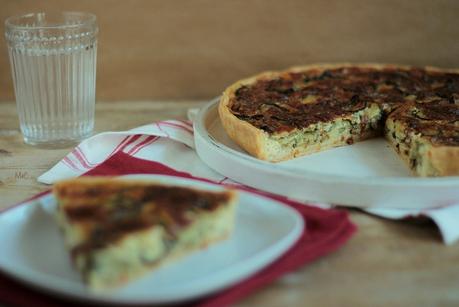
pixel 171 143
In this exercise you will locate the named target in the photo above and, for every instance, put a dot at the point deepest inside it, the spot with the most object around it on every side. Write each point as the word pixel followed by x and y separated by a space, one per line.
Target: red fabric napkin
pixel 326 231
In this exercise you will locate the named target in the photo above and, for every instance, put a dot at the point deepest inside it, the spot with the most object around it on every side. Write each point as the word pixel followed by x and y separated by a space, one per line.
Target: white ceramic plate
pixel 33 251
pixel 366 174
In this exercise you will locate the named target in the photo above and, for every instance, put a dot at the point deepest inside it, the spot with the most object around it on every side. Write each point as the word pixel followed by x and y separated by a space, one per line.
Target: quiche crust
pixel 252 139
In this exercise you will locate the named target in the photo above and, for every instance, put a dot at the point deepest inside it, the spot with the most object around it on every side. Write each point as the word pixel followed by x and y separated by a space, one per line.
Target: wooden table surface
pixel 386 263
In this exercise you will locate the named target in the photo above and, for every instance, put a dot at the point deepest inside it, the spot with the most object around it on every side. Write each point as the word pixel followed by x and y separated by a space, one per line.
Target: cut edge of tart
pixel 118 230
pixel 424 155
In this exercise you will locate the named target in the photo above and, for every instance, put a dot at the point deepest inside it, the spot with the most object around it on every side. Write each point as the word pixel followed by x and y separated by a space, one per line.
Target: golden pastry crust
pixel 445 159
pixel 252 139
pixel 266 144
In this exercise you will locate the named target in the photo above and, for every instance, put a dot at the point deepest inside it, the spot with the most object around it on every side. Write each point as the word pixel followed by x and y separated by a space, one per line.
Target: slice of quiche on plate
pixel 117 230
pixel 34 248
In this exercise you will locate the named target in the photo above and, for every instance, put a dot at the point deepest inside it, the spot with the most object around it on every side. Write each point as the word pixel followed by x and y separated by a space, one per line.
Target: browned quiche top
pixel 439 122
pixel 110 211
pixel 299 99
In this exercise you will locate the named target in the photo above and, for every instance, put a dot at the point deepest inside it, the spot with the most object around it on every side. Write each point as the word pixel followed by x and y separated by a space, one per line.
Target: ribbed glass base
pixel 55 143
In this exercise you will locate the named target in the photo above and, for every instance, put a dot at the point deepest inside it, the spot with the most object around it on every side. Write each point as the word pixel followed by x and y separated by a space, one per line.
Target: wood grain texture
pixel 387 263
pixel 194 49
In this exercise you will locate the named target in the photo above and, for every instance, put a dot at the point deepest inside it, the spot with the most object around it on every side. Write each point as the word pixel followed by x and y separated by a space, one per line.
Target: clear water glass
pixel 53 63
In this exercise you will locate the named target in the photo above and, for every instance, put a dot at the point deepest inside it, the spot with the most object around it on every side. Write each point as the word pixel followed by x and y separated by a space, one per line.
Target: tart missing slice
pixel 277 116
pixel 117 230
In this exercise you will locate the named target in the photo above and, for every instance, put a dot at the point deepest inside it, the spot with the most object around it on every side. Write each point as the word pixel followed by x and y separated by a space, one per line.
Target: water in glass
pixel 53 62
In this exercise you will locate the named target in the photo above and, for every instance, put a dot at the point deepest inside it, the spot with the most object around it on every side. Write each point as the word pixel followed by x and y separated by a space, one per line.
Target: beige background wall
pixel 193 49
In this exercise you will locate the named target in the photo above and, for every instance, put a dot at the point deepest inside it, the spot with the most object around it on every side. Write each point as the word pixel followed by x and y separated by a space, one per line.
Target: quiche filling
pixel 358 126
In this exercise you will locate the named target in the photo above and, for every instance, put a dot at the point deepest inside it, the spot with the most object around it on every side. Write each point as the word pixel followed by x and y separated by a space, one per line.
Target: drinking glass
pixel 53 63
